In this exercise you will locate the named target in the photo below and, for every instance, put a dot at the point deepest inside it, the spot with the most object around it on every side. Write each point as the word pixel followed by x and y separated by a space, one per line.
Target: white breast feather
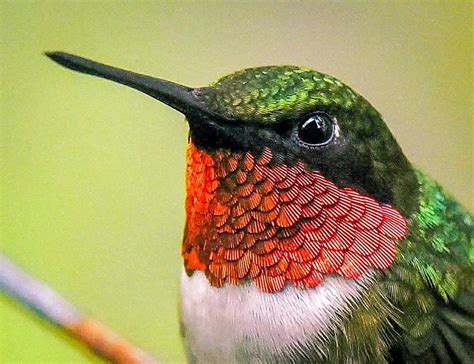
pixel 243 324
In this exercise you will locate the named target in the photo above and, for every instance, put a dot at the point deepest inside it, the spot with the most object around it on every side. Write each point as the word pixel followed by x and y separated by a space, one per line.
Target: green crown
pixel 272 93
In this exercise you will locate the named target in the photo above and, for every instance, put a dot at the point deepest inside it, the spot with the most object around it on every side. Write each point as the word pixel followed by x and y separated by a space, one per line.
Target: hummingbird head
pixel 291 175
pixel 304 115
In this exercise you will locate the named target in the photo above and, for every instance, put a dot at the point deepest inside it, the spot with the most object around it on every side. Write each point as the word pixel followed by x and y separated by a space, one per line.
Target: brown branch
pixel 56 309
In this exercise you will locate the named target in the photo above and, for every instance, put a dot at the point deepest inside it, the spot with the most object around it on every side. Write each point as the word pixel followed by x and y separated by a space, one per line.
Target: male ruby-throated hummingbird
pixel 309 236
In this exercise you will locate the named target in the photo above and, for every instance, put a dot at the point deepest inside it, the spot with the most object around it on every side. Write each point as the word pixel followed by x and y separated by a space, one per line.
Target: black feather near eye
pixel 316 131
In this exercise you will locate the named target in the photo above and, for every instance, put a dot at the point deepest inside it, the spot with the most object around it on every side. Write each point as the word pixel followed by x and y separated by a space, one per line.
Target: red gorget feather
pixel 274 224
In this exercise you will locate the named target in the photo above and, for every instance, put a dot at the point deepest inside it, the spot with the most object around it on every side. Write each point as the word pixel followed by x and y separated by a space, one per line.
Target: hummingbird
pixel 309 236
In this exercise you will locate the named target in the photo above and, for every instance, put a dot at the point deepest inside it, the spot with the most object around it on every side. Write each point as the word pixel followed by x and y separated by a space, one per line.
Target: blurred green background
pixel 93 173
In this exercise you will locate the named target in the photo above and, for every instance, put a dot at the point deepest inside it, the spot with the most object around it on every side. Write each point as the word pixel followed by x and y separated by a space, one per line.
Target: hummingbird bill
pixel 309 236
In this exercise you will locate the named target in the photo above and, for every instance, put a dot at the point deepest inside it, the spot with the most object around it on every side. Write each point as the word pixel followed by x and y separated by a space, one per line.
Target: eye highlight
pixel 316 131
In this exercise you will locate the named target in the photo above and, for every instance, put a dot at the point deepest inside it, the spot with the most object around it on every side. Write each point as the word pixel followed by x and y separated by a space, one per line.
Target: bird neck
pixel 252 217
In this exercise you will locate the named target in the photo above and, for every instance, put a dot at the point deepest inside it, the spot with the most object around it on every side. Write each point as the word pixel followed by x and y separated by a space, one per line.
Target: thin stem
pixel 52 306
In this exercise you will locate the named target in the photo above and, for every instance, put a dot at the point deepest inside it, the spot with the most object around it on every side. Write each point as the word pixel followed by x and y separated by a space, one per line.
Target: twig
pixel 55 308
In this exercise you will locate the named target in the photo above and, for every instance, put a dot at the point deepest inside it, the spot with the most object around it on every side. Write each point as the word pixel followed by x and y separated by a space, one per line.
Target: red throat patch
pixel 274 224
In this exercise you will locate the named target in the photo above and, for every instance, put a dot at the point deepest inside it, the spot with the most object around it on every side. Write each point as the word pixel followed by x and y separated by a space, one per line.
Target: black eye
pixel 316 131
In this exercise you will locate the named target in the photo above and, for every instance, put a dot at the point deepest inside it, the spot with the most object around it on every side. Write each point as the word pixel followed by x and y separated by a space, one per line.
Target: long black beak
pixel 181 98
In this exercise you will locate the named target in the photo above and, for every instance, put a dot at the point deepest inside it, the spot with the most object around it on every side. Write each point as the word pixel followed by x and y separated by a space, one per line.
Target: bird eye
pixel 316 131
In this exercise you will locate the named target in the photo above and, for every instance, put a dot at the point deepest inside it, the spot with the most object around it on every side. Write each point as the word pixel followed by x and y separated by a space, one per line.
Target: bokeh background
pixel 93 173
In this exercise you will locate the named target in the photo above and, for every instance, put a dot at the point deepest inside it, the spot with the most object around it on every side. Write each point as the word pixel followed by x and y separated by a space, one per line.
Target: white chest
pixel 243 324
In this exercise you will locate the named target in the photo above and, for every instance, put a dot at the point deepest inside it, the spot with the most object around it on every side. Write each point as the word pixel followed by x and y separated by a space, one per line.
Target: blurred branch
pixel 56 309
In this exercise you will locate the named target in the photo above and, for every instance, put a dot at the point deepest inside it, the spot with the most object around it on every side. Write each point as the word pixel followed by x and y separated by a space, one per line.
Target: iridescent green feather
pixel 271 93
pixel 422 308
pixel 434 273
